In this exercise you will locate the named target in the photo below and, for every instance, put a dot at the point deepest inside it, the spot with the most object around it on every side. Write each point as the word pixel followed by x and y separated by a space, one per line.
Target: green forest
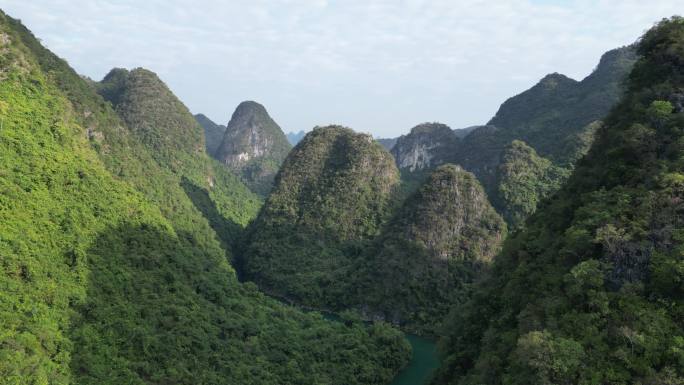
pixel 142 243
pixel 590 291
pixel 115 252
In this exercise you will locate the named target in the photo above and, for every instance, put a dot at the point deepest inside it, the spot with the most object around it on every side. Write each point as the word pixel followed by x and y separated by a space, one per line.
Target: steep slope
pixel 253 146
pixel 524 179
pixel 196 188
pixel 557 118
pixel 431 252
pixel 330 197
pixel 558 107
pixel 109 273
pixel 427 145
pixel 213 133
pixel 591 291
pixel 463 132
pixel 158 119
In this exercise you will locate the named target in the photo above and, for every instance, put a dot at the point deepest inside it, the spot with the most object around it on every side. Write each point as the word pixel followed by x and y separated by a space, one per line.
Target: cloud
pixel 379 66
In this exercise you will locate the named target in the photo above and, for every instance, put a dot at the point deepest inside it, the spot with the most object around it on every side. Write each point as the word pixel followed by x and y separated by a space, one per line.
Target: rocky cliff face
pixel 213 133
pixel 426 146
pixel 432 251
pixel 332 193
pixel 253 145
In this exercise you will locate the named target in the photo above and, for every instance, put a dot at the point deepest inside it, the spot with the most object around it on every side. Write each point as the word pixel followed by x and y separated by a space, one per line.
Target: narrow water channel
pixel 423 362
pixel 424 359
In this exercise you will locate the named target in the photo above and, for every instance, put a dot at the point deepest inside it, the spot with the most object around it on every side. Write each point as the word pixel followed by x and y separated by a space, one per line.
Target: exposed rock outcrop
pixel 426 146
pixel 253 146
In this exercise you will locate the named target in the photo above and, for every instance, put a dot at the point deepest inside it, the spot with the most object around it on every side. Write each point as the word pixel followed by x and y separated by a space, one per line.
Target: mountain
pixel 556 118
pixel 554 111
pixel 460 133
pixel 388 143
pixel 524 179
pixel 115 244
pixel 157 118
pixel 165 130
pixel 331 196
pixel 463 132
pixel 426 146
pixel 591 291
pixel 253 146
pixel 432 251
pixel 213 133
pixel 295 137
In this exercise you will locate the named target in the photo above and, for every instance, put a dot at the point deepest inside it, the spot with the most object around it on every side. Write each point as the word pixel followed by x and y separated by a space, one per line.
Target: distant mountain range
pixel 295 137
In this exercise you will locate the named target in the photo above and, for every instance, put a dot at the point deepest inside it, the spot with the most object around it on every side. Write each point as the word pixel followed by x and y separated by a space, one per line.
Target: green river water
pixel 423 362
pixel 424 359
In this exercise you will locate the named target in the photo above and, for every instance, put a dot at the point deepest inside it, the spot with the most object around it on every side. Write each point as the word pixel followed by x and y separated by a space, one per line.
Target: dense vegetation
pixel 338 232
pixel 556 119
pixel 331 197
pixel 549 114
pixel 591 292
pixel 431 252
pixel 524 179
pixel 253 146
pixel 174 167
pixel 213 133
pixel 111 271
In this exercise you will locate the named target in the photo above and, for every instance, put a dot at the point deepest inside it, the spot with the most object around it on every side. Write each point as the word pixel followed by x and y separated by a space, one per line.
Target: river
pixel 423 362
pixel 424 359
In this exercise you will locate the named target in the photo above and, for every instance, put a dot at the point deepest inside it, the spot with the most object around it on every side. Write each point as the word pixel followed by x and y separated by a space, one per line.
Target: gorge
pixel 143 244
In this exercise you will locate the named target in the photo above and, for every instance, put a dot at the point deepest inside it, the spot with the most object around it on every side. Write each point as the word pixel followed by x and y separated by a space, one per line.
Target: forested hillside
pixel 338 233
pixel 554 121
pixel 331 197
pixel 114 264
pixel 591 292
pixel 435 247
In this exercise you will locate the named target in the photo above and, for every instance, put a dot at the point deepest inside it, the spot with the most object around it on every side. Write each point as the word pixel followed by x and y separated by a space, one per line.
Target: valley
pixel 142 243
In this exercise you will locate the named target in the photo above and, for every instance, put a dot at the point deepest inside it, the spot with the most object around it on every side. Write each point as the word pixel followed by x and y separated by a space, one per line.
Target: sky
pixel 377 66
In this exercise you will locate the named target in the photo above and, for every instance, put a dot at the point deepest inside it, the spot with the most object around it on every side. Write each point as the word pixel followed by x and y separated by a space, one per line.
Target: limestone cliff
pixel 253 146
pixel 426 146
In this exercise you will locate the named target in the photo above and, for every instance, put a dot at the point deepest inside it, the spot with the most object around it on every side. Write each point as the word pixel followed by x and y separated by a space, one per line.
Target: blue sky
pixel 376 66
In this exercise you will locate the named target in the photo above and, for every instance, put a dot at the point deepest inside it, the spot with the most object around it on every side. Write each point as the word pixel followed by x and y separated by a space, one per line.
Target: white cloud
pixel 379 66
